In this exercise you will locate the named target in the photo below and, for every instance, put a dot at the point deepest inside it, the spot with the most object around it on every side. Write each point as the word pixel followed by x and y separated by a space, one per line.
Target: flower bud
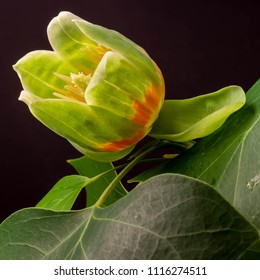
pixel 97 89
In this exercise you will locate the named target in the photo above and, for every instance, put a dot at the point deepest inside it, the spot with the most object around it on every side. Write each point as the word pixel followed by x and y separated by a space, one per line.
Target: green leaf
pixel 92 168
pixel 64 193
pixel 95 177
pixel 189 119
pixel 229 159
pixel 253 252
pixel 167 217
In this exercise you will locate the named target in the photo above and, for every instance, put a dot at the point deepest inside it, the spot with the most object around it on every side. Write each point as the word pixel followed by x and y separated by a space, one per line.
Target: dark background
pixel 200 47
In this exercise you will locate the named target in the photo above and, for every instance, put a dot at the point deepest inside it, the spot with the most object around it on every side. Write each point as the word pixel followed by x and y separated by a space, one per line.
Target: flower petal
pixel 38 73
pixel 67 39
pixel 103 156
pixel 119 87
pixel 116 85
pixel 116 42
pixel 88 126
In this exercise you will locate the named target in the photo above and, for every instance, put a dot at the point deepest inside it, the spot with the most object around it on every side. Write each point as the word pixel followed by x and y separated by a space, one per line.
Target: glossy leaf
pixel 229 159
pixel 167 217
pixel 91 168
pixel 64 193
pixel 97 176
pixel 189 119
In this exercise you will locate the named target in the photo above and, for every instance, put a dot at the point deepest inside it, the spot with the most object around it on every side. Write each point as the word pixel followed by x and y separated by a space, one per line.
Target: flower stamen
pixel 75 87
pixel 80 81
pixel 94 54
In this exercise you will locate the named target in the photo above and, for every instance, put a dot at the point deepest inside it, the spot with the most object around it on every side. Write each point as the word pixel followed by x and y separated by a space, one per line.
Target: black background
pixel 200 47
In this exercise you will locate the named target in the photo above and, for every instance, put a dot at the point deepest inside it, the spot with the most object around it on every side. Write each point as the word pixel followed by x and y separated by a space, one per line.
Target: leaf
pixel 91 168
pixel 253 252
pixel 97 176
pixel 64 193
pixel 189 119
pixel 229 159
pixel 168 217
pixel 150 172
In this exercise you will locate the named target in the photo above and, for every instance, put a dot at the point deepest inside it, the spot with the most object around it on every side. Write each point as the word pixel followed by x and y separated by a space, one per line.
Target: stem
pixel 97 177
pixel 122 174
pixel 182 146
pixel 144 148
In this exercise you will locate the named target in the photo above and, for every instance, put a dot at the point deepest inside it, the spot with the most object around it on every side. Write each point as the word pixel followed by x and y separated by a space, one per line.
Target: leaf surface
pixel 167 217
pixel 92 168
pixel 64 193
pixel 95 176
pixel 253 252
pixel 229 159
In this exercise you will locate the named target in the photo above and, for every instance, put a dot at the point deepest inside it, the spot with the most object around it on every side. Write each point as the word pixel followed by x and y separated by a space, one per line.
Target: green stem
pixel 97 177
pixel 122 174
pixel 146 146
pixel 182 146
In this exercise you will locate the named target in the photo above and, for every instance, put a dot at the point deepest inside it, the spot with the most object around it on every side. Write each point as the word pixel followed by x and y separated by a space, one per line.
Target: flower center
pixel 76 85
pixel 80 81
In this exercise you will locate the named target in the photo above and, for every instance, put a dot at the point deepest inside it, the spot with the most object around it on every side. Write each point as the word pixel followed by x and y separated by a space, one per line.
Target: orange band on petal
pixel 147 110
pixel 123 143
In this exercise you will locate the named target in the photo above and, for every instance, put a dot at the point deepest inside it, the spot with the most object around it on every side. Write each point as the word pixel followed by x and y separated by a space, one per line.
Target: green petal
pixel 37 71
pixel 188 119
pixel 118 43
pixel 103 156
pixel 116 85
pixel 66 38
pixel 89 127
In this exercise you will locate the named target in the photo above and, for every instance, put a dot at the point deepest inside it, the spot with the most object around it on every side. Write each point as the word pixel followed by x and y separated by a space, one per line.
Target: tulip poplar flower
pixel 97 89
